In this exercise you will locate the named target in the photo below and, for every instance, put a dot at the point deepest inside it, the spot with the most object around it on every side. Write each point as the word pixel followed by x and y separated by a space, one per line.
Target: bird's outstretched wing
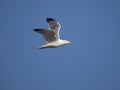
pixel 54 26
pixel 48 34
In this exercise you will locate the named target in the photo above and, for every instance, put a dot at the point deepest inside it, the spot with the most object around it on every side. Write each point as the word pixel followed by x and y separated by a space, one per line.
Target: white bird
pixel 52 35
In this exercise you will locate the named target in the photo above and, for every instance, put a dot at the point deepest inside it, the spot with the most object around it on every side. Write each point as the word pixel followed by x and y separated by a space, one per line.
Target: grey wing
pixel 48 35
pixel 54 26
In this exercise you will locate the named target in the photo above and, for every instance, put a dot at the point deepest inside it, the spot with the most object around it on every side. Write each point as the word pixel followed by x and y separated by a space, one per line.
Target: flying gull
pixel 52 35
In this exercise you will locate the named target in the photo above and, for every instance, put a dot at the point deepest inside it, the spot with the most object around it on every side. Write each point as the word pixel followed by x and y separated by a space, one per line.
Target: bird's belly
pixel 55 44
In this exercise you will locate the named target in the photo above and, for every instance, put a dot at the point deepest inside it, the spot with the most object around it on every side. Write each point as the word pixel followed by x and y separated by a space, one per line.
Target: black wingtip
pixel 35 30
pixel 50 19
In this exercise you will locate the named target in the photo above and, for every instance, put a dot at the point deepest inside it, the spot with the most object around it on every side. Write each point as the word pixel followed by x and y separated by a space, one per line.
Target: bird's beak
pixel 70 42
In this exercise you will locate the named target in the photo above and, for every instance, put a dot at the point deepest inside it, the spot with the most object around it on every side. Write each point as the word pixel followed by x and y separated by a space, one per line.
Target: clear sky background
pixel 92 62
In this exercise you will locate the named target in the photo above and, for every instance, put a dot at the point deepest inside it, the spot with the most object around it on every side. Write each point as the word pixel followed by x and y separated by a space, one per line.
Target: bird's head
pixel 67 42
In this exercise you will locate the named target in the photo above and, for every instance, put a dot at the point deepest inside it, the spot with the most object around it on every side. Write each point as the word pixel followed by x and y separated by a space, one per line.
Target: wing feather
pixel 54 26
pixel 48 35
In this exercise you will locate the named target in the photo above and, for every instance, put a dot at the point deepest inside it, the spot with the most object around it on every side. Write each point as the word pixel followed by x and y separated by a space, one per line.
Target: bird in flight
pixel 51 35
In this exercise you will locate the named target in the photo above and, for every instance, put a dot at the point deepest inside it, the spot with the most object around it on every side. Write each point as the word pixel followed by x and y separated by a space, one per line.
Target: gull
pixel 51 35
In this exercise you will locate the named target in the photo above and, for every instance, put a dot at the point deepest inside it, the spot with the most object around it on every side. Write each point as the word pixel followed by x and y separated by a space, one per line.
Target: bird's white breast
pixel 56 43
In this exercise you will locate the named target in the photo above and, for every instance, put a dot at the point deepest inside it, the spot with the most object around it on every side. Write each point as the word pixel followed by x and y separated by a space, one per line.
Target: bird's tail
pixel 42 47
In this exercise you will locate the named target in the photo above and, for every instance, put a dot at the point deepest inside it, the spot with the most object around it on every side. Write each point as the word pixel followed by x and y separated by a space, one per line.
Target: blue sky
pixel 92 62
